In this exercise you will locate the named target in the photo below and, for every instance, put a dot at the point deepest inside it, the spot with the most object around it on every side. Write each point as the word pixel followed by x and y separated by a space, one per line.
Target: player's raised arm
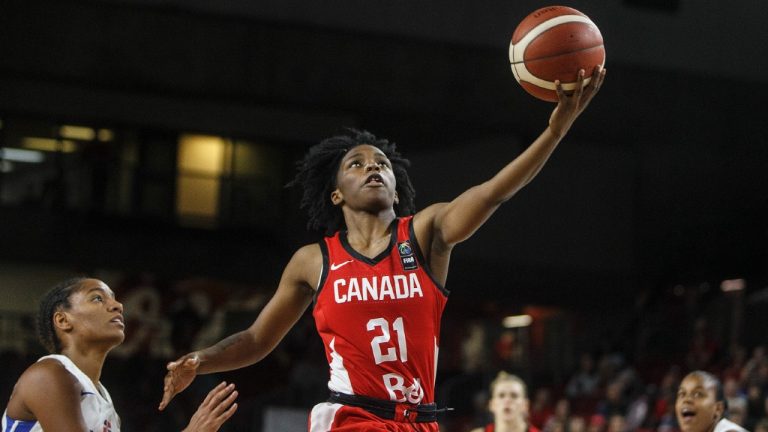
pixel 456 221
pixel 293 296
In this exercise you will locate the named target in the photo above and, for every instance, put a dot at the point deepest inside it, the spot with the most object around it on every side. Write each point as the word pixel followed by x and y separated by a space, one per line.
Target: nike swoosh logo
pixel 85 393
pixel 340 265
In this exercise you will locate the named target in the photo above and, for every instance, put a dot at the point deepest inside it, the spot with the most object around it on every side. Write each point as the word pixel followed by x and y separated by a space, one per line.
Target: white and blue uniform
pixel 726 425
pixel 96 404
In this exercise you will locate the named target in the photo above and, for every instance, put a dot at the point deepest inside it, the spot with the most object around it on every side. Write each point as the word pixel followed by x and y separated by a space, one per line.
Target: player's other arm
pixel 289 302
pixel 457 220
pixel 51 395
pixel 291 299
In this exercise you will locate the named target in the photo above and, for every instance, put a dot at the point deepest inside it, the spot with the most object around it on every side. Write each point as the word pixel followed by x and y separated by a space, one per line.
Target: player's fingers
pixel 222 394
pixel 600 79
pixel 227 414
pixel 224 399
pixel 594 79
pixel 229 400
pixel 167 396
pixel 168 391
pixel 595 84
pixel 559 90
pixel 579 85
pixel 214 395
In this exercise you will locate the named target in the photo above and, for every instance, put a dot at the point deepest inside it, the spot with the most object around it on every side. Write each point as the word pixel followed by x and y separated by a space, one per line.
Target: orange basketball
pixel 553 43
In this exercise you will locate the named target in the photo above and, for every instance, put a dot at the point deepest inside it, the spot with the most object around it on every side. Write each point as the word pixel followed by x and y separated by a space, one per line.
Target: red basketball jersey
pixel 380 318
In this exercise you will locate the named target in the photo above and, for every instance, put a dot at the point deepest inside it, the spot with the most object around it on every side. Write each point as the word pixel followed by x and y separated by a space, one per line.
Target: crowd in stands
pixel 609 394
pixel 607 390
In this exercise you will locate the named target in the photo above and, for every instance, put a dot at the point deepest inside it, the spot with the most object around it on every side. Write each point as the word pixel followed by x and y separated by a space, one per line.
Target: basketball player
pixel 509 405
pixel 80 321
pixel 701 405
pixel 378 279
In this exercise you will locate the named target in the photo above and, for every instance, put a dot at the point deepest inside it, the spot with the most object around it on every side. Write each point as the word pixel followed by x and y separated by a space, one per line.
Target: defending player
pixel 80 321
pixel 378 280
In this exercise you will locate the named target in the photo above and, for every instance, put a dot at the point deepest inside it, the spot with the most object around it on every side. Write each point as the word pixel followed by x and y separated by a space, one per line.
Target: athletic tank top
pixel 725 425
pixel 379 318
pixel 95 403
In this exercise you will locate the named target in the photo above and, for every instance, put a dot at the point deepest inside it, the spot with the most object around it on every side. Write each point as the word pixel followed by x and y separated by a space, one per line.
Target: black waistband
pixel 389 410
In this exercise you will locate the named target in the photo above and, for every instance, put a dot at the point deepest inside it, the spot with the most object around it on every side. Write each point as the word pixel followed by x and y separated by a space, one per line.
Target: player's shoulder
pixel 305 265
pixel 45 375
pixel 308 252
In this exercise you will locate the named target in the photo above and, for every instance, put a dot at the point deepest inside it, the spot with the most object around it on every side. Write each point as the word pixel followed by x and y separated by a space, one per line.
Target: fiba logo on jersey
pixel 406 255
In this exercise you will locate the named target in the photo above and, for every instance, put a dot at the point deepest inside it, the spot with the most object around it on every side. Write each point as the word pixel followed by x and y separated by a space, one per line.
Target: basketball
pixel 553 43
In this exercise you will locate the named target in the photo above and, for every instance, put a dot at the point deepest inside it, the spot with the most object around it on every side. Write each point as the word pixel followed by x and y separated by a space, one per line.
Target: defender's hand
pixel 217 408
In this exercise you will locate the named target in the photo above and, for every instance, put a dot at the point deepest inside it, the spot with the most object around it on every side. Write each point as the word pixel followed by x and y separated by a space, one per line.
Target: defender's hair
pixel 57 298
pixel 316 174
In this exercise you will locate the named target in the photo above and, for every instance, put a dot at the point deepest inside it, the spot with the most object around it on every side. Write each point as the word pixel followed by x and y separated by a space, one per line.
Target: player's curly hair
pixel 316 174
pixel 57 298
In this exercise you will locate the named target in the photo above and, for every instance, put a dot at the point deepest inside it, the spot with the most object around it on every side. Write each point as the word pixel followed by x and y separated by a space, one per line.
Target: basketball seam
pixel 556 55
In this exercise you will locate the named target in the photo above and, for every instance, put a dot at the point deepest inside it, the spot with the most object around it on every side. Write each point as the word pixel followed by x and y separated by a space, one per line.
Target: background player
pixel 378 279
pixel 80 321
pixel 509 405
pixel 700 405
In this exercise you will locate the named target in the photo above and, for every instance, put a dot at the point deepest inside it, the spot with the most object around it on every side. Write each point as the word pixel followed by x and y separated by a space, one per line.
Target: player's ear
pixel 719 410
pixel 336 197
pixel 397 198
pixel 61 321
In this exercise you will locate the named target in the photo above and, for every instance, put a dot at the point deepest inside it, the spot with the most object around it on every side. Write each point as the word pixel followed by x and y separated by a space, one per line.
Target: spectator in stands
pixel 541 408
pixel 614 401
pixel 616 423
pixel 560 416
pixel 585 381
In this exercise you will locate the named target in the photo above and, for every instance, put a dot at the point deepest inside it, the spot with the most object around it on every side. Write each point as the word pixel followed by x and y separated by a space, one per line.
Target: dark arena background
pixel 148 143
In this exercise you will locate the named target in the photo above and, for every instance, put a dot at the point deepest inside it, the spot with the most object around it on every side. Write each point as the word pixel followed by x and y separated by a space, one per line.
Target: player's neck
pixel 366 228
pixel 90 361
pixel 369 234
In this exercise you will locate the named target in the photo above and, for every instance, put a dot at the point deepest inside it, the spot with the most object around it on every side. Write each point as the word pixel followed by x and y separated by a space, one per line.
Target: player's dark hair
pixel 57 298
pixel 316 174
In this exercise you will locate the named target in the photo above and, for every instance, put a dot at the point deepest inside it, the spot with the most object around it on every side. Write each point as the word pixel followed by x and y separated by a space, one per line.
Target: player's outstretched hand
pixel 180 375
pixel 570 106
pixel 217 408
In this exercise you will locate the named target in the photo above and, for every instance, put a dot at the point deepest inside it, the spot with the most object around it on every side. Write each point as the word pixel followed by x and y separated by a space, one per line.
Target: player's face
pixel 95 315
pixel 365 179
pixel 508 401
pixel 696 406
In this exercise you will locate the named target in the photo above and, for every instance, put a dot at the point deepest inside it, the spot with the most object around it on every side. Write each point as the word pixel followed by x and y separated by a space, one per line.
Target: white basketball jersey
pixel 95 403
pixel 726 425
